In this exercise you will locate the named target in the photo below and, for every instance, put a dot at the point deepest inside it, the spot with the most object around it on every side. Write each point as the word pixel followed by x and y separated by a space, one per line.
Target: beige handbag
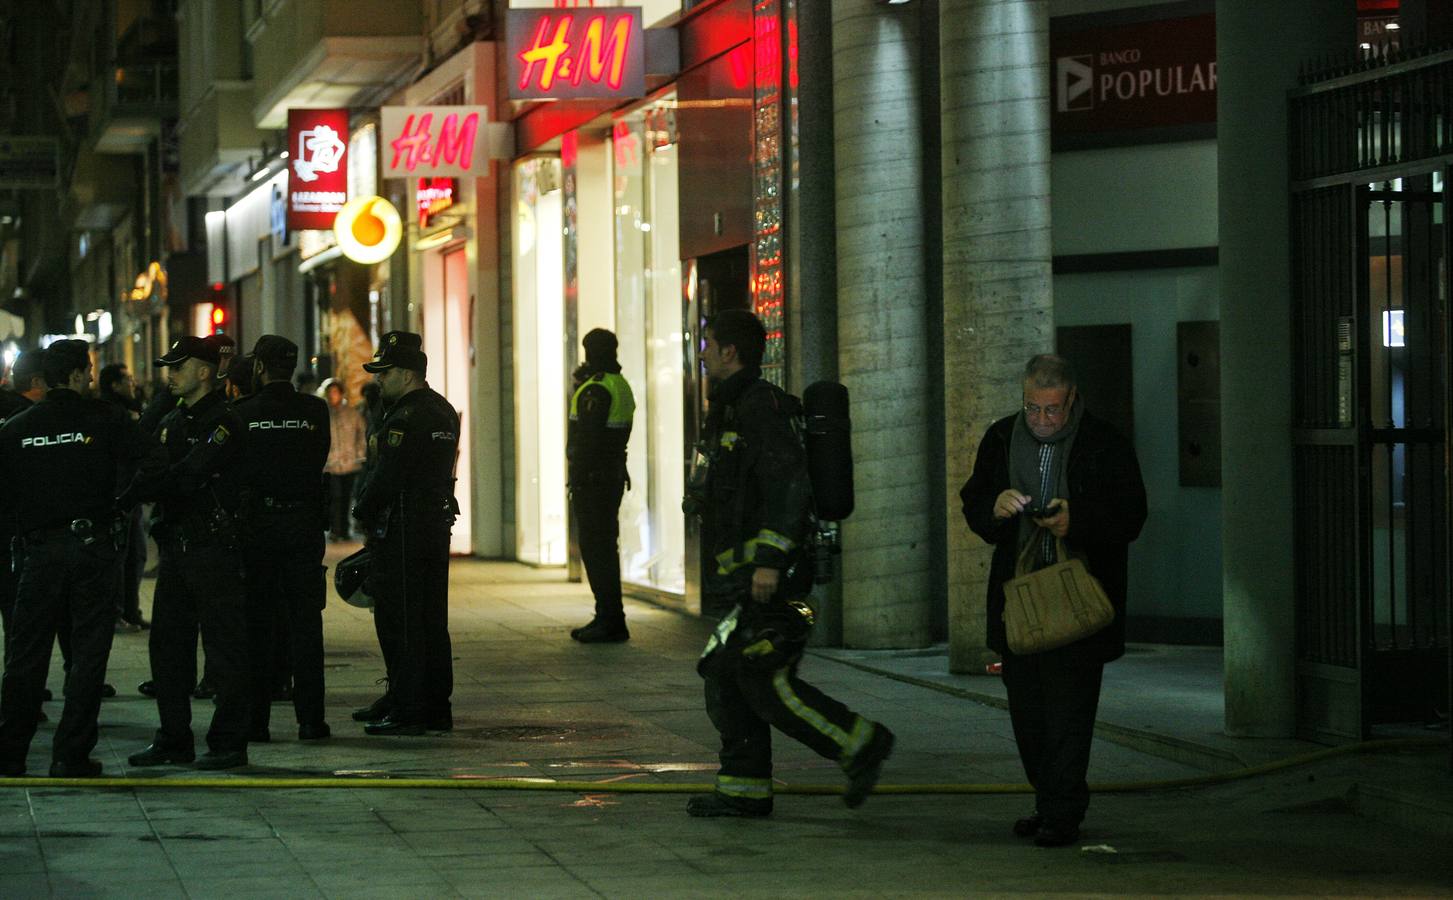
pixel 1053 606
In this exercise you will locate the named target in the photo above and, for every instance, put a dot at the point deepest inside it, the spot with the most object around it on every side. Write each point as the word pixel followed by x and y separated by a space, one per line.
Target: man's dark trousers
pixel 200 589
pixel 597 510
pixel 1053 697
pixel 410 581
pixel 286 578
pixel 63 584
pixel 746 698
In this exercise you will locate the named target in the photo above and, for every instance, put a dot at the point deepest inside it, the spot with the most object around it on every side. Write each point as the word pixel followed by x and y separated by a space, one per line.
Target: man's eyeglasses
pixel 1048 412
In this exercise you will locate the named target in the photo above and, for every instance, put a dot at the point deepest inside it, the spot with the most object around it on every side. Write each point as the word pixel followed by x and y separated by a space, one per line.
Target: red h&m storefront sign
pixel 557 54
pixel 317 167
pixel 1134 76
pixel 438 141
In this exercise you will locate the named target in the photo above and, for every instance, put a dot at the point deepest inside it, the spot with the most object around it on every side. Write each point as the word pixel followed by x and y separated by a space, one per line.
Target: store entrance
pixel 715 282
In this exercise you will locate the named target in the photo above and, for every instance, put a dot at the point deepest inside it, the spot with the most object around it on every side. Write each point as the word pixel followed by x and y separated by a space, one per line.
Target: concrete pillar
pixel 1258 48
pixel 883 330
pixel 997 296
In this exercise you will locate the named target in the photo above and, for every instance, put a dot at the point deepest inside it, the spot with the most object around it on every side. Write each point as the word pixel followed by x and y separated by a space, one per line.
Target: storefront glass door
pixel 539 363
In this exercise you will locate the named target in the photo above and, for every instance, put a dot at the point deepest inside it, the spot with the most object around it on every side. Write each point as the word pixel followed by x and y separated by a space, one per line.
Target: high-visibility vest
pixel 622 401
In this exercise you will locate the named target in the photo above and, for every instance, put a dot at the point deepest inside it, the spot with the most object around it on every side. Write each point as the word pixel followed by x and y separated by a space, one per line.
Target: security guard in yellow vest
pixel 601 412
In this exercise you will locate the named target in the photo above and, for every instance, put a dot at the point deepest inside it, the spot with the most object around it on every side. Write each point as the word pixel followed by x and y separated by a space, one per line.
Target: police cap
pixel 401 349
pixel 276 352
pixel 190 347
pixel 28 365
pixel 350 576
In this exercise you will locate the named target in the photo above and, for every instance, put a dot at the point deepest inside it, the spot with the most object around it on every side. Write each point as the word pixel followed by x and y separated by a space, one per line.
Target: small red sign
pixel 566 55
pixel 317 167
pixel 433 196
pixel 1111 83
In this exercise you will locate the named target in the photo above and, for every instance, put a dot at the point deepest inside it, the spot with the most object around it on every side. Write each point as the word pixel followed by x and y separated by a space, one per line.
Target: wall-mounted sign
pixel 368 229
pixel 434 141
pixel 317 166
pixel 557 54
pixel 1133 76
pixel 29 163
pixel 433 196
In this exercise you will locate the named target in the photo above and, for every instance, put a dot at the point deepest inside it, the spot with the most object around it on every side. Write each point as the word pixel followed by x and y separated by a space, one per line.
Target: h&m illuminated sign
pixel 434 141
pixel 559 54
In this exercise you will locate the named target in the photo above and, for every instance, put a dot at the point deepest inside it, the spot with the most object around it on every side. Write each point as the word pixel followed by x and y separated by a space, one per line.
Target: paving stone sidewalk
pixel 531 704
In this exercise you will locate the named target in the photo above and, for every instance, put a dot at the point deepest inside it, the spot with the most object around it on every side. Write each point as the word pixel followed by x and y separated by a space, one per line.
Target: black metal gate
pixel 1371 148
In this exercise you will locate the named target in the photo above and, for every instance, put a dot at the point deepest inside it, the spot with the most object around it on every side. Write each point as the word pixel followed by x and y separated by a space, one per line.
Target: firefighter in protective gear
pixel 757 499
pixel 601 412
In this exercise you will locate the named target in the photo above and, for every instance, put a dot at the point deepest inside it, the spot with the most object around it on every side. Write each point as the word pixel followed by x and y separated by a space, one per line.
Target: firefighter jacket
pixel 287 445
pixel 758 495
pixel 204 475
pixel 412 473
pixel 601 413
pixel 67 458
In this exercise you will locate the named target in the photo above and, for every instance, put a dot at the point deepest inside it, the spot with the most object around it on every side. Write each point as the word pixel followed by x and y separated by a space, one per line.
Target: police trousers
pixel 199 589
pixel 1053 697
pixel 597 510
pixel 752 686
pixel 66 584
pixel 287 581
pixel 410 588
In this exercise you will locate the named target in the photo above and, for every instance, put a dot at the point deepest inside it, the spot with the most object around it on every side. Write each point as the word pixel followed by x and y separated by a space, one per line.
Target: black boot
pixel 865 768
pixel 717 805
pixel 602 631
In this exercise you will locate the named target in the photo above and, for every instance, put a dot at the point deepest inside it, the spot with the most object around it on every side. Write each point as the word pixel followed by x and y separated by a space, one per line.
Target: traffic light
pixel 219 320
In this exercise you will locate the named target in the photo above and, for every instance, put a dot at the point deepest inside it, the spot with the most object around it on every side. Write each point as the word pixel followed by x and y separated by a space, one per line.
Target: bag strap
pixel 1022 565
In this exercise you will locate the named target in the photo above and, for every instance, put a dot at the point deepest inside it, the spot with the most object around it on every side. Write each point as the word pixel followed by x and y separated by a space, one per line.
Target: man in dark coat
pixel 1055 470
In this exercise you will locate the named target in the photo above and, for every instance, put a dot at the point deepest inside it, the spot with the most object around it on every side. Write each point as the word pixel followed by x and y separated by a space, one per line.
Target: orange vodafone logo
pixel 368 229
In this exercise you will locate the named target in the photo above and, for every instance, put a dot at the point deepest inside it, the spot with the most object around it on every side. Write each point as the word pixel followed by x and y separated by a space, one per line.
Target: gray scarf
pixel 1037 468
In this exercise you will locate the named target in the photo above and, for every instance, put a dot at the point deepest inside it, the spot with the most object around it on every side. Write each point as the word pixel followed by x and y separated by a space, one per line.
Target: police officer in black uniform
pixel 601 412
pixel 64 460
pixel 284 516
pixel 756 498
pixel 27 384
pixel 407 508
pixel 199 581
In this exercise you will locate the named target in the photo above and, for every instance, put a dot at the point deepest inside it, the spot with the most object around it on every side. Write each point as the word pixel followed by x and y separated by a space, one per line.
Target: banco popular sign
pixel 1118 82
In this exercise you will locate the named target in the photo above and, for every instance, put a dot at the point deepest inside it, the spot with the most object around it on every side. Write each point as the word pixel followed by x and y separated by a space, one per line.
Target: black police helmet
pixel 350 577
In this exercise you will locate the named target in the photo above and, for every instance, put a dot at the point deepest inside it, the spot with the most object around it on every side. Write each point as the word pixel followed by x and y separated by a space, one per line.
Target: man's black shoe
pixel 314 731
pixel 718 805
pixel 440 723
pixel 88 768
pixel 390 725
pixel 161 755
pixel 12 769
pixel 222 759
pixel 600 631
pixel 108 691
pixel 147 688
pixel 259 736
pixel 204 690
pixel 865 768
pixel 1056 835
pixel 1029 825
pixel 137 620
pixel 375 711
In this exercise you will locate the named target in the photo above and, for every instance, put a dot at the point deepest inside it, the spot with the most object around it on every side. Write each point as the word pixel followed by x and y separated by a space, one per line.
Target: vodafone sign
pixel 317 167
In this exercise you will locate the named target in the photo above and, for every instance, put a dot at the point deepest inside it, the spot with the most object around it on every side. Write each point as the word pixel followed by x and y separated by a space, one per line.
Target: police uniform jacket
pixel 68 458
pixel 1107 511
pixel 601 413
pixel 203 444
pixel 758 492
pixel 287 440
pixel 412 474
